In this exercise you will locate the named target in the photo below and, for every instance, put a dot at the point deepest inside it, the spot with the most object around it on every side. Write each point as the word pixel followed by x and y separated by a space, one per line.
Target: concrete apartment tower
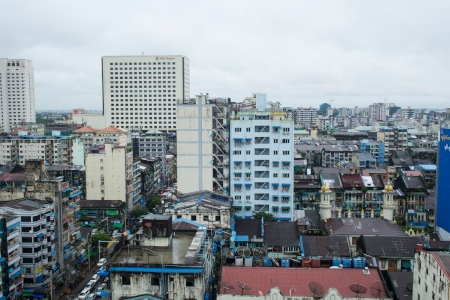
pixel 141 92
pixel 109 172
pixel 203 144
pixel 261 159
pixel 17 103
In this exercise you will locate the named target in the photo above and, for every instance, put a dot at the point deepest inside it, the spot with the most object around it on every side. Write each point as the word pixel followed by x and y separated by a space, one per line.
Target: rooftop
pixel 281 234
pixel 402 283
pixel 299 282
pixel 326 246
pixel 138 255
pixel 363 227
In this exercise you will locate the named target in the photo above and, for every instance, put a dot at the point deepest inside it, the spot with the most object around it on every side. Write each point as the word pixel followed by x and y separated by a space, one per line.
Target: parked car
pixel 99 290
pixel 83 295
pixel 94 231
pixel 82 252
pixel 89 286
pixel 91 297
pixel 95 278
pixel 101 262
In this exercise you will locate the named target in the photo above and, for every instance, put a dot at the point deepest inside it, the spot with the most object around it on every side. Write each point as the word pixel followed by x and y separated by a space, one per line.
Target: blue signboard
pixel 443 196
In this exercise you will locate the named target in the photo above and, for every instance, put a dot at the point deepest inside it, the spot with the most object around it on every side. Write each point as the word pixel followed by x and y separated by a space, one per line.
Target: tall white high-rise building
pixel 17 102
pixel 261 161
pixel 141 92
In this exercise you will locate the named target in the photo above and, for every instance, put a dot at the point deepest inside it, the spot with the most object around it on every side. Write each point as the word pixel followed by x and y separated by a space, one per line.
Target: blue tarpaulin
pixel 75 194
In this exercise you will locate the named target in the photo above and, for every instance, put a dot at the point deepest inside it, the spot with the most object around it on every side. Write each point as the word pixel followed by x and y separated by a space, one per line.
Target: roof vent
pixel 366 270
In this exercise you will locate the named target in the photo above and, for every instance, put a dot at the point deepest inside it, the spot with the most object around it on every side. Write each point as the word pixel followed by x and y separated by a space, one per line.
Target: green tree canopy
pixel 140 211
pixel 100 237
pixel 152 202
pixel 261 214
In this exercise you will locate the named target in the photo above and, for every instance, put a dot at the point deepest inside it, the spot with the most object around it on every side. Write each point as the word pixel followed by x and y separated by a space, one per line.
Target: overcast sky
pixel 301 53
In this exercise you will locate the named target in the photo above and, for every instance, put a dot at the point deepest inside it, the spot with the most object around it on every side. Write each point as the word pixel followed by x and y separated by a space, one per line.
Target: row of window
pixel 264 128
pixel 261 152
pixel 139 63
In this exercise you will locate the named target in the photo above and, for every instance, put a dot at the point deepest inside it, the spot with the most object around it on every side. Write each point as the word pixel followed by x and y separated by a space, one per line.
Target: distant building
pixel 52 149
pixel 17 102
pixel 324 107
pixel 305 117
pixel 377 112
pixel 394 138
pixel 141 92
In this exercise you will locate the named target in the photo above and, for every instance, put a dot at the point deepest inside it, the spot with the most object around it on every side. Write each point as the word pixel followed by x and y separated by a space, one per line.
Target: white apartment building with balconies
pixel 261 161
pixel 17 103
pixel 36 241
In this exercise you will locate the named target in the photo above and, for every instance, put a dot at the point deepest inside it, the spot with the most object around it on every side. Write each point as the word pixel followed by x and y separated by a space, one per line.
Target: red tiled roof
pixel 110 129
pixel 12 177
pixel 294 281
pixel 85 129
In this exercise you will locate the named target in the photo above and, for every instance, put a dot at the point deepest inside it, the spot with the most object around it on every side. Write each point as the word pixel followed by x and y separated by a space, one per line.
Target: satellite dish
pixel 243 286
pixel 258 251
pixel 316 288
pixel 357 288
pixel 243 251
pixel 226 286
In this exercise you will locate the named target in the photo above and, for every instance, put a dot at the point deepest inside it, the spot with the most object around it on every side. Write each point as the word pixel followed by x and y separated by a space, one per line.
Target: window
pixel 286 152
pixel 275 175
pixel 237 197
pixel 247 129
pixel 237 152
pixel 285 141
pixel 190 281
pixel 247 152
pixel 206 218
pixel 286 129
pixel 275 209
pixel 275 152
pixel 285 175
pixel 193 218
pixel 26 219
pixel 126 280
pixel 217 218
pixel 237 129
pixel 275 141
pixel 155 281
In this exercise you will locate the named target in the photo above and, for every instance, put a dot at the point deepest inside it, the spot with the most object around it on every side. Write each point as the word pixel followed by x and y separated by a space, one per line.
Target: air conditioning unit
pixel 237 178
pixel 247 178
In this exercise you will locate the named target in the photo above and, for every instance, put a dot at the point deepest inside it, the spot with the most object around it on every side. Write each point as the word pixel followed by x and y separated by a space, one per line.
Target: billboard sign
pixel 443 181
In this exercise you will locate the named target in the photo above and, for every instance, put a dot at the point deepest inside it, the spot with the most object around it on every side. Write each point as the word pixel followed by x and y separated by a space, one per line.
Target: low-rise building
pixel 300 283
pixel 178 271
pixel 213 210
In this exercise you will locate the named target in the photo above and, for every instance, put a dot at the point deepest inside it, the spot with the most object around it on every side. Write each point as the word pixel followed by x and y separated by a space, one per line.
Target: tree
pixel 140 211
pixel 100 237
pixel 152 202
pixel 262 214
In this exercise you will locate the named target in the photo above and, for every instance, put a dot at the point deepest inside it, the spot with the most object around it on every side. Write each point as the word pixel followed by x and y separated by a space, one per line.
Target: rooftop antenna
pixel 377 289
pixel 243 286
pixel 226 286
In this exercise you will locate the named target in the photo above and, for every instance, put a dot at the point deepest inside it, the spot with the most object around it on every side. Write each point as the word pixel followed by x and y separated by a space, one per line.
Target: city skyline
pixel 300 54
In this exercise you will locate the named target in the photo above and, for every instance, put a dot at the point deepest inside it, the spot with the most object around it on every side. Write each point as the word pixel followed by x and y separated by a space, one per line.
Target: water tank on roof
pixel 285 262
pixel 267 262
pixel 347 262
pixel 249 261
pixel 239 261
pixel 336 261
